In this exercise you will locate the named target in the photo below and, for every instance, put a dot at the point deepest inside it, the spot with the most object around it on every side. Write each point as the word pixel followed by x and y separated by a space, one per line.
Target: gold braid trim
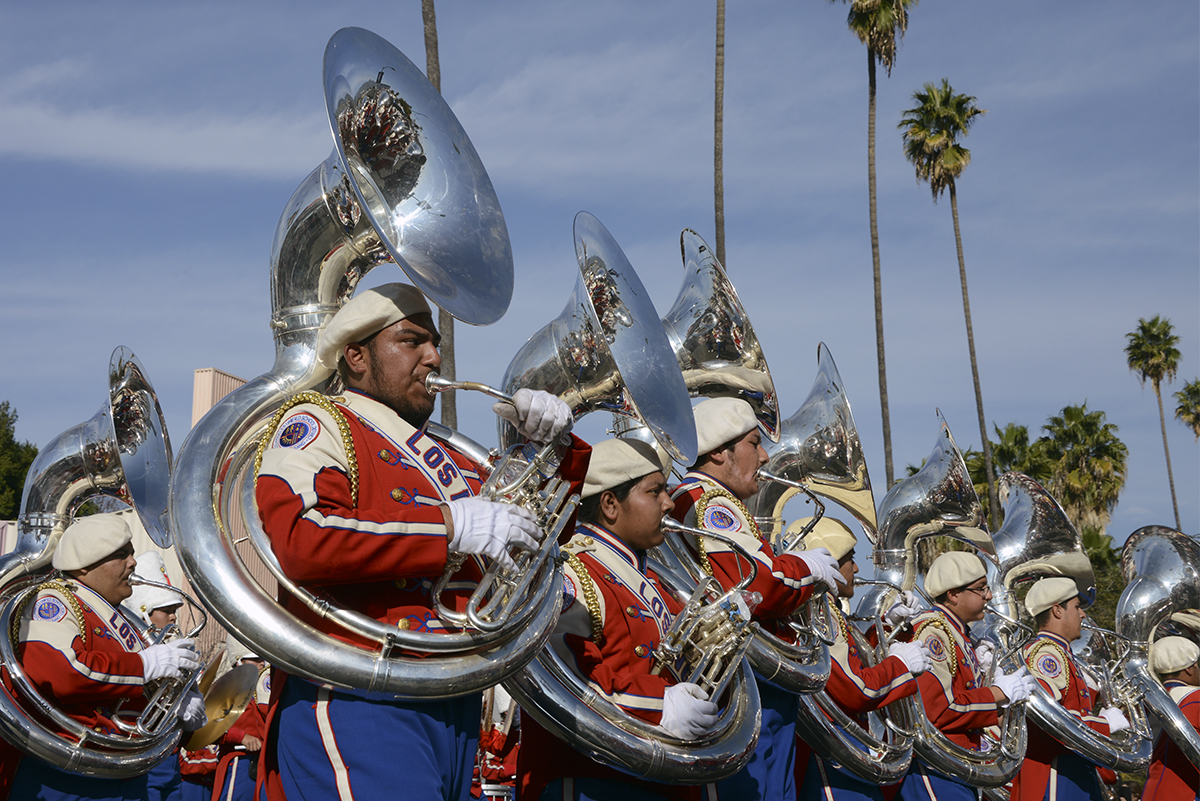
pixel 326 405
pixel 1042 644
pixel 702 505
pixel 68 594
pixel 937 622
pixel 589 597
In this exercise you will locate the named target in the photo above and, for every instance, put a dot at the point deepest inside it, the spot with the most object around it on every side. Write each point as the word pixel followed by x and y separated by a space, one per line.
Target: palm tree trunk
pixel 719 137
pixel 993 499
pixel 433 71
pixel 1167 450
pixel 883 394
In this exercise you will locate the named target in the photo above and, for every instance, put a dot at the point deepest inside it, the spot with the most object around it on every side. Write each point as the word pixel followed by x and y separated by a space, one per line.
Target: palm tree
pixel 1152 354
pixel 876 23
pixel 1012 452
pixel 1188 410
pixel 1089 465
pixel 931 133
pixel 719 137
pixel 433 71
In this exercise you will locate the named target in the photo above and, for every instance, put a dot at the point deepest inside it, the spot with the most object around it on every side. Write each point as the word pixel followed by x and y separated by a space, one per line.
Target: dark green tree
pixel 15 459
pixel 1188 410
pixel 1089 465
pixel 1152 355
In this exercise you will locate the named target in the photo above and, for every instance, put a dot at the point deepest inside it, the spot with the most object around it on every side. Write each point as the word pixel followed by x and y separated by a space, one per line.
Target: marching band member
pixel 83 655
pixel 157 608
pixel 1172 776
pixel 239 747
pixel 1050 769
pixel 380 556
pixel 616 613
pixel 855 687
pixel 956 699
pixel 730 448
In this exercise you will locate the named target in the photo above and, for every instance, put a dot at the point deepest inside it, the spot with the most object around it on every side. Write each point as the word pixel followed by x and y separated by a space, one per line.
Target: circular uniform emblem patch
pixel 50 609
pixel 717 518
pixel 297 431
pixel 568 592
pixel 1049 665
pixel 936 649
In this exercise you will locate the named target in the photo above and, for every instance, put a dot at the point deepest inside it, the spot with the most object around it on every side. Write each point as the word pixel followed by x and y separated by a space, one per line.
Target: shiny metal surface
pixel 550 692
pixel 1162 574
pixel 713 340
pixel 415 176
pixel 323 245
pixel 940 500
pixel 1038 540
pixel 818 448
pixel 123 451
pixel 607 350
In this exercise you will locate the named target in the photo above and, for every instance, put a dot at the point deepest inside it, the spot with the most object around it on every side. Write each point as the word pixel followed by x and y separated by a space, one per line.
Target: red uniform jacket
pixel 635 612
pixel 1172 776
pixel 857 688
pixel 1050 661
pixel 956 700
pixel 783 580
pixel 382 555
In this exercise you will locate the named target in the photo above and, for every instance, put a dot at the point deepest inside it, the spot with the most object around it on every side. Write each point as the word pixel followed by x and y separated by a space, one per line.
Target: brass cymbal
pixel 224 702
pixel 210 672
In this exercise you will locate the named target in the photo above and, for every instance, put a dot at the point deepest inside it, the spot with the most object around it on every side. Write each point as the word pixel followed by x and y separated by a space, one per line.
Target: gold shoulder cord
pixel 326 405
pixel 589 597
pixel 65 590
pixel 938 623
pixel 1034 651
pixel 702 505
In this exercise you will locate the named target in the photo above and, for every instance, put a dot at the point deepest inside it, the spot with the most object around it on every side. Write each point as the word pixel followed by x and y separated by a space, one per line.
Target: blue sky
pixel 148 151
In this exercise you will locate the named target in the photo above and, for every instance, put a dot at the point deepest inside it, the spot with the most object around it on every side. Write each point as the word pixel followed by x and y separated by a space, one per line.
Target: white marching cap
pixel 90 539
pixel 952 570
pixel 615 461
pixel 1048 592
pixel 146 599
pixel 829 533
pixel 367 313
pixel 1173 654
pixel 721 420
pixel 236 650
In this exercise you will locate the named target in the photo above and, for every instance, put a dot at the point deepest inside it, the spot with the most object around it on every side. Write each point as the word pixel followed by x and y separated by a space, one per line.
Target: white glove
pixel 985 654
pixel 488 528
pixel 914 655
pixel 822 566
pixel 191 711
pixel 903 608
pixel 687 712
pixel 1091 683
pixel 538 416
pixel 169 660
pixel 1116 719
pixel 1016 685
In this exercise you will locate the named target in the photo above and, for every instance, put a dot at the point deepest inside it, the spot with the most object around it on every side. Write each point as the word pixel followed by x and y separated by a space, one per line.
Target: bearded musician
pixel 83 655
pixel 853 685
pixel 957 698
pixel 711 497
pixel 615 614
pixel 1051 770
pixel 1172 775
pixel 375 539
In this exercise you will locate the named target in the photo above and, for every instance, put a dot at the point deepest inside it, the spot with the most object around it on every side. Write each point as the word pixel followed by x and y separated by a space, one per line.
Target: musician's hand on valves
pixel 169 660
pixel 822 566
pixel 1116 719
pixel 902 609
pixel 914 655
pixel 687 712
pixel 1015 686
pixel 191 711
pixel 538 416
pixel 488 528
pixel 985 654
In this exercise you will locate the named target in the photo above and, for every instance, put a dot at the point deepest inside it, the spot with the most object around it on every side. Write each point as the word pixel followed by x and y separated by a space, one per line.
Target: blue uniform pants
pixel 823 780
pixel 163 782
pixel 924 784
pixel 1076 780
pixel 36 780
pixel 335 745
pixel 771 771
pixel 595 790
